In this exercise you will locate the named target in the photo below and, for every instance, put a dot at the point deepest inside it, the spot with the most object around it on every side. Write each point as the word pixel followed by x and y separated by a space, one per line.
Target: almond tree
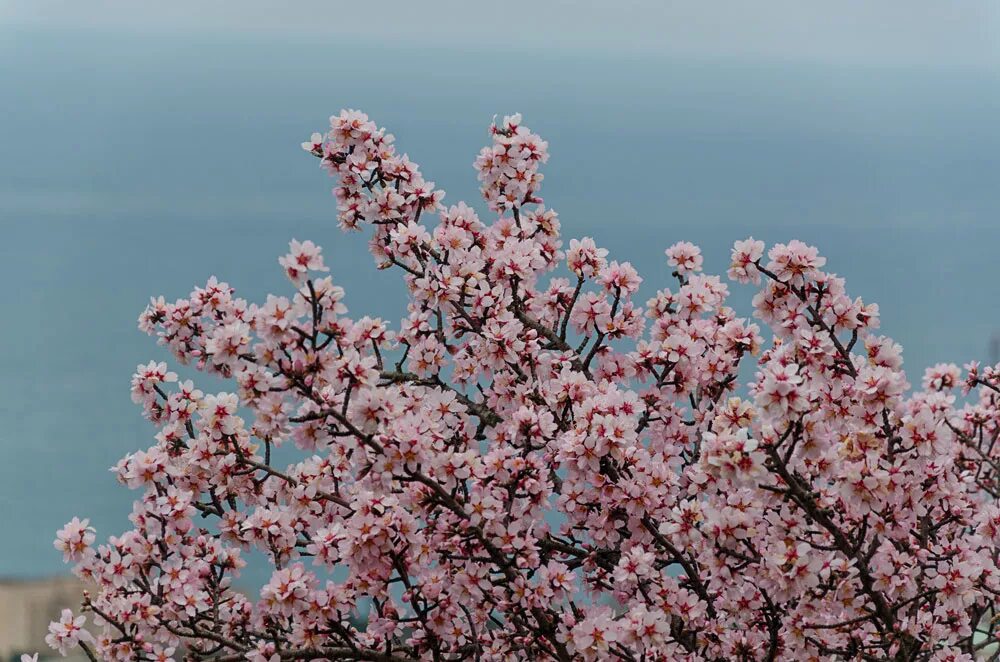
pixel 532 466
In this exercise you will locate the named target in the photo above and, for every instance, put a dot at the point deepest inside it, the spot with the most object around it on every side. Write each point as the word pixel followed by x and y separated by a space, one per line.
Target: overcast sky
pixel 962 33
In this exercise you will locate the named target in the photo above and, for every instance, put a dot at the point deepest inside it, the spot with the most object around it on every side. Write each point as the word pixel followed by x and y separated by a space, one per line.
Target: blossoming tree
pixel 537 467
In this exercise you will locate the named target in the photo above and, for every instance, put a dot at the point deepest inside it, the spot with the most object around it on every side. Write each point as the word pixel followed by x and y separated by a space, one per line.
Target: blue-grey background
pixel 143 150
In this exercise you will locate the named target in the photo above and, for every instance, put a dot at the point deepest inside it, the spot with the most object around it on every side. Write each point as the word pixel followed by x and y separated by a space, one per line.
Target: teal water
pixel 138 166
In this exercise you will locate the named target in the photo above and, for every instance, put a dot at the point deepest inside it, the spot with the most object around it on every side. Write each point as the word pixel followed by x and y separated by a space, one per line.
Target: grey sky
pixel 964 33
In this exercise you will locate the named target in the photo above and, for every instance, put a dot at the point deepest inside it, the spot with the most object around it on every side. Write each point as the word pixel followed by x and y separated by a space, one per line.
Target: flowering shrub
pixel 536 469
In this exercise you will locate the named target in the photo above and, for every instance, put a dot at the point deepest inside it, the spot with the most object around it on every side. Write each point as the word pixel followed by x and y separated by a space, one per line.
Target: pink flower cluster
pixel 532 464
pixel 508 168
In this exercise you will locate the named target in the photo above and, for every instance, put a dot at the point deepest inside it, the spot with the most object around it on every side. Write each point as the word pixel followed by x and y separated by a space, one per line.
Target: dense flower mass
pixel 533 465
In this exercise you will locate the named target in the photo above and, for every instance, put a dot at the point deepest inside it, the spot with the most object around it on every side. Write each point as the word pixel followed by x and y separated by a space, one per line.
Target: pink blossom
pixel 74 539
pixel 745 256
pixel 685 257
pixel 67 632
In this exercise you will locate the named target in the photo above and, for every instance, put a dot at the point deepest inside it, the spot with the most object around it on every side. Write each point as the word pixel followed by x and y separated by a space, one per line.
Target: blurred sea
pixel 142 165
